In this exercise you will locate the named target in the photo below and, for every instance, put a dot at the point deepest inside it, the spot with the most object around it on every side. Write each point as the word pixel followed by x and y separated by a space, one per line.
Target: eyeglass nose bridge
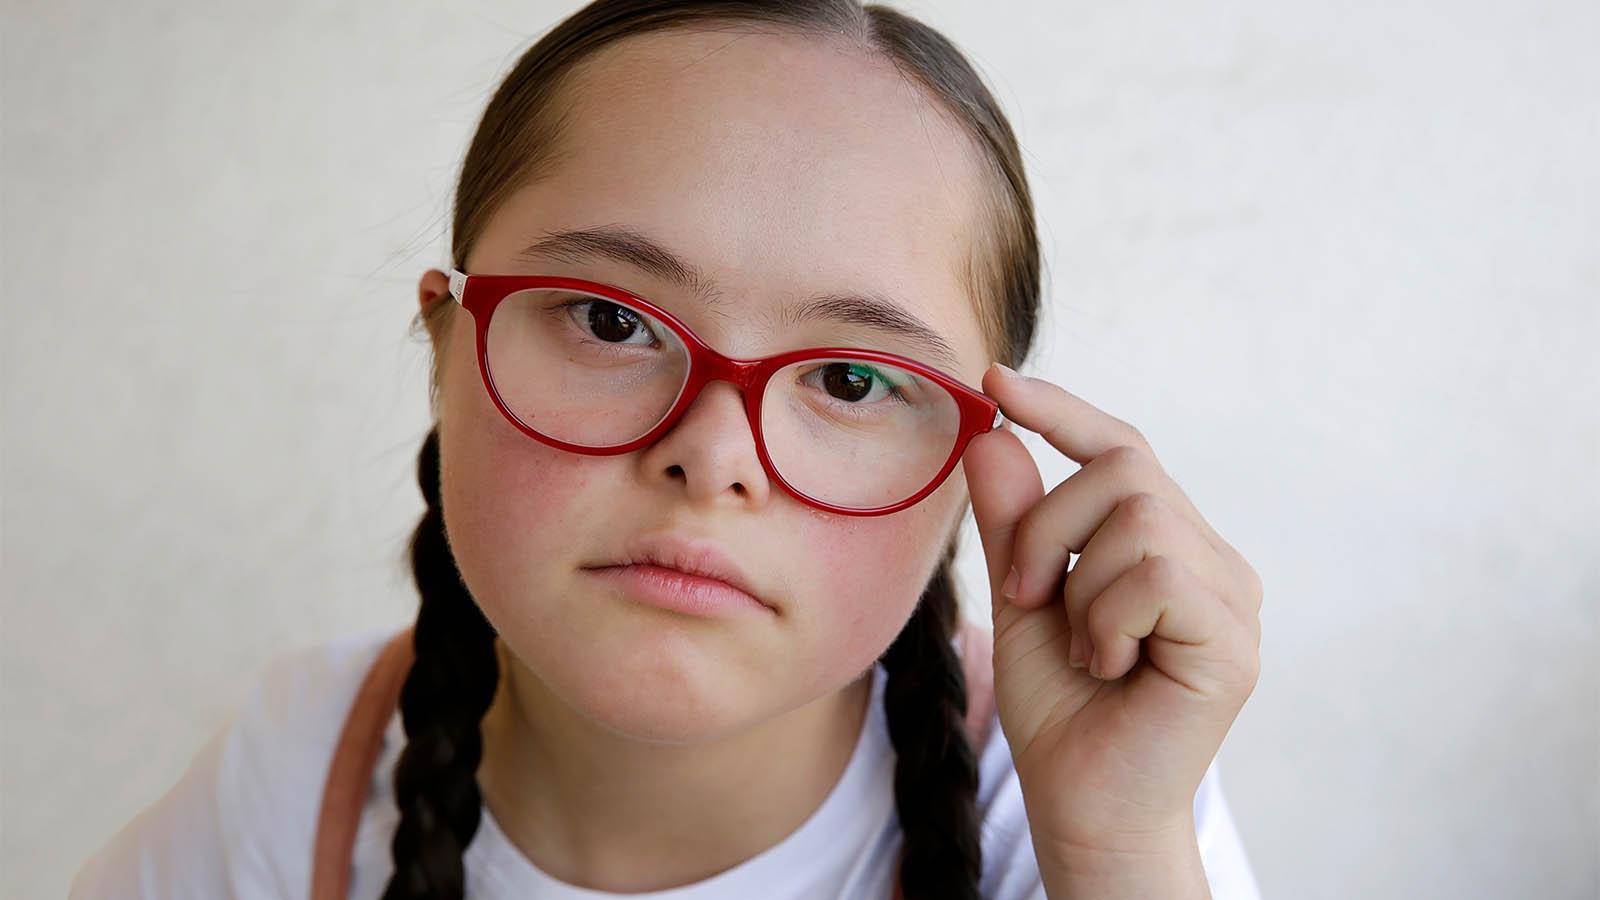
pixel 748 376
pixel 706 365
pixel 743 373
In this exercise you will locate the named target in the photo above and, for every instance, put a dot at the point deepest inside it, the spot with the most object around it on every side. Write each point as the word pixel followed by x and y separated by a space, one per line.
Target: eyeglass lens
pixel 588 370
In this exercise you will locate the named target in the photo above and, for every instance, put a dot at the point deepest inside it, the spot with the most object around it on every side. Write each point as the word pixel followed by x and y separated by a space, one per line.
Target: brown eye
pixel 855 384
pixel 845 382
pixel 612 323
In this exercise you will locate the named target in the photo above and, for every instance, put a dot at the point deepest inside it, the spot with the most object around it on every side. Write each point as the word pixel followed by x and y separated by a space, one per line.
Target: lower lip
pixel 679 591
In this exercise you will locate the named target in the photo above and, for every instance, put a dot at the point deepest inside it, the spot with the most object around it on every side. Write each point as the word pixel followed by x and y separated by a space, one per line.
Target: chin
pixel 660 707
pixel 646 682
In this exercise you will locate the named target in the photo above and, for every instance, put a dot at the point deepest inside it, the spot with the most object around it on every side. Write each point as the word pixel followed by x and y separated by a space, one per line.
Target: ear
pixel 433 288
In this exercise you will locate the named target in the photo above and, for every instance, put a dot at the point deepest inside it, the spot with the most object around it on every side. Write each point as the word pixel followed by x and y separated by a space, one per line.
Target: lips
pixel 687 554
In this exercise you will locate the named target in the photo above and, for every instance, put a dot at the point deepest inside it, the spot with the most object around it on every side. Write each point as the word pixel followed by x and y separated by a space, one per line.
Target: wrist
pixel 1162 864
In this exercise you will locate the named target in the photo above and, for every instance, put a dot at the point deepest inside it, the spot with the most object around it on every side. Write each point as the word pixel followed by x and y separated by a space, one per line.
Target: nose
pixel 710 452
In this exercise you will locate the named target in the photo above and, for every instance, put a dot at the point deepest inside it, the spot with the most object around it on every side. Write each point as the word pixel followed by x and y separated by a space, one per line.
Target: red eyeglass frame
pixel 481 294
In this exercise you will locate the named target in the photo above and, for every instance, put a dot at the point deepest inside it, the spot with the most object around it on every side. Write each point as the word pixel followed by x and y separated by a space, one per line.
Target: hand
pixel 1116 681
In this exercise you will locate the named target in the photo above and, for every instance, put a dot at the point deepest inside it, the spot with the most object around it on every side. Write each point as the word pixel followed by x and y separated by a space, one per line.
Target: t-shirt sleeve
pixel 1011 870
pixel 1221 851
pixel 241 820
pixel 172 848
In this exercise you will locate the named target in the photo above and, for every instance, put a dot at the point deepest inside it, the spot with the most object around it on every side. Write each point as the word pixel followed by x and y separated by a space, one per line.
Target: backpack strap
pixel 344 792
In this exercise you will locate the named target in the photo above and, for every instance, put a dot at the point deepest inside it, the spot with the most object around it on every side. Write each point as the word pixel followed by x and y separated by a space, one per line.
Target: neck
pixel 605 812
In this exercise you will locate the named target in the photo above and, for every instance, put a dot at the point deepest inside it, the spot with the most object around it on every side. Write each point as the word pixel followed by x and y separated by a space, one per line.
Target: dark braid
pixel 936 771
pixel 450 686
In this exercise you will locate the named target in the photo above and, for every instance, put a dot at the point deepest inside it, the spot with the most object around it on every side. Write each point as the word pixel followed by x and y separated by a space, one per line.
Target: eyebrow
pixel 869 310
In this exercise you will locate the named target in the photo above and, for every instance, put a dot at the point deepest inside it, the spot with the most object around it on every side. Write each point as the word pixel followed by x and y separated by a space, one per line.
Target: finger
pixel 1068 422
pixel 1185 630
pixel 1003 484
pixel 1141 527
pixel 1075 509
pixel 1075 427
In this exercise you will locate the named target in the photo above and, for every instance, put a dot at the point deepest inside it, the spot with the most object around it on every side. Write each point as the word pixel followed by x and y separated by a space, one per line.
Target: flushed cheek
pixel 868 576
pixel 515 510
pixel 507 496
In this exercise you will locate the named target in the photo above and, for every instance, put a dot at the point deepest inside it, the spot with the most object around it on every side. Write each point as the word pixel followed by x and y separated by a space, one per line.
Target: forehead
pixel 782 166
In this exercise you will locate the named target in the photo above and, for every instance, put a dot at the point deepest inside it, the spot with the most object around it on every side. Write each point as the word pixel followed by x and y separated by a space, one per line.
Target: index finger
pixel 1083 431
pixel 1066 421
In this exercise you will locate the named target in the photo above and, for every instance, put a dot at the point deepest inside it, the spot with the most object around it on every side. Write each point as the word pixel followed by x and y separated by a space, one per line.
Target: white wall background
pixel 1340 261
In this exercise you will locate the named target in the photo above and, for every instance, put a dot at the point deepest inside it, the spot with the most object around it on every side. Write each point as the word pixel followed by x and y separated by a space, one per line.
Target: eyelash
pixel 563 307
pixel 894 393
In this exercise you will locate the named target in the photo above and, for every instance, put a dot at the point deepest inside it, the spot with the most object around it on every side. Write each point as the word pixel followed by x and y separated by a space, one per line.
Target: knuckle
pixel 1143 509
pixel 1132 435
pixel 1101 619
pixel 1165 573
pixel 1124 458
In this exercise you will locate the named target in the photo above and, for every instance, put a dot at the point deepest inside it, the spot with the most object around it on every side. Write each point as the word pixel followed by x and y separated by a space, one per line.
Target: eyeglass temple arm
pixel 458 284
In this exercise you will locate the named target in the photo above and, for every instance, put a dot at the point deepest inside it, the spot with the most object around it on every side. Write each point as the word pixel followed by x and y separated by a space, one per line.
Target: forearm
pixel 1168 870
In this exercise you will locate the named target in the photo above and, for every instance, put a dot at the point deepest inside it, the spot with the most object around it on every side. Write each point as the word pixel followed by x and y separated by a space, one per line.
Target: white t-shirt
pixel 240 822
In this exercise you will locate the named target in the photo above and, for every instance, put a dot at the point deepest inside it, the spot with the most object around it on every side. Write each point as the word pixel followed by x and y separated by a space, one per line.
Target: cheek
pixel 512 506
pixel 866 577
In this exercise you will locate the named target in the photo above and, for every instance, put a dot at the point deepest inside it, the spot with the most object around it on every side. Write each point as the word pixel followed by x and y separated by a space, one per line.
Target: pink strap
pixel 344 793
pixel 977 665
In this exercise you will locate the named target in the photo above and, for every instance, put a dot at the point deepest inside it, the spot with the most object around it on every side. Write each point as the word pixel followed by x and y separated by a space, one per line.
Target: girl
pixel 727 275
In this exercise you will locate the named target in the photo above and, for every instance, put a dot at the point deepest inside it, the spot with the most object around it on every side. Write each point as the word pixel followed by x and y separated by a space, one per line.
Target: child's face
pixel 780 166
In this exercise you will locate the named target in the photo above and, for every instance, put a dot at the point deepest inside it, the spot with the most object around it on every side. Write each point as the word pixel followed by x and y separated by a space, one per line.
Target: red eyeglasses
pixel 847 430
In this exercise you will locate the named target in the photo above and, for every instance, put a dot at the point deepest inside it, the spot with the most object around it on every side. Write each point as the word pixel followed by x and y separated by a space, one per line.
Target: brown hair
pixel 453 679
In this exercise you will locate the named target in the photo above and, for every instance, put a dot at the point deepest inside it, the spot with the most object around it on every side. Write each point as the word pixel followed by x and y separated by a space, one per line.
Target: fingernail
pixel 1009 589
pixel 1008 371
pixel 1075 651
pixel 1094 665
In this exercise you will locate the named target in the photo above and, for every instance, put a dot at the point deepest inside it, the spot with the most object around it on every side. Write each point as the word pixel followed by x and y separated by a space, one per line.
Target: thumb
pixel 1003 483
